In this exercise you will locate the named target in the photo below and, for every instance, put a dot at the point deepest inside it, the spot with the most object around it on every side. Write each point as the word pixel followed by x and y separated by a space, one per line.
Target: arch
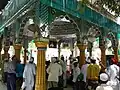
pixel 113 39
pixel 66 20
pixel 93 33
pixel 64 26
pixel 32 27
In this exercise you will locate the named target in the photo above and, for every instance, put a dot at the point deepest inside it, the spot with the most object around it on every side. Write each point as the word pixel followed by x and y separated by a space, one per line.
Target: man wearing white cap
pixel 54 70
pixel 104 79
pixel 84 68
pixel 113 72
pixel 29 75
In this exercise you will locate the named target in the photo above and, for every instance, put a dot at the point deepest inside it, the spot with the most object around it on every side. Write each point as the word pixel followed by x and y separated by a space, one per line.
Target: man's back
pixel 84 71
pixel 54 70
pixel 29 73
pixel 19 70
pixel 93 72
pixel 113 72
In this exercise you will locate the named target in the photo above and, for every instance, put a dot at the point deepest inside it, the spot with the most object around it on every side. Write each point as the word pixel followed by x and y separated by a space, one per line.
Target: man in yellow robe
pixel 93 71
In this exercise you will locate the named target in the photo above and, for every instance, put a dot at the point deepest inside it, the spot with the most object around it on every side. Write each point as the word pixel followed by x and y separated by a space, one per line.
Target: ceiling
pixel 3 3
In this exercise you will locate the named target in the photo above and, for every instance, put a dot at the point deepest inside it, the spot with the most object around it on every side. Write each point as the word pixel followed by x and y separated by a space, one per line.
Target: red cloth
pixel 114 61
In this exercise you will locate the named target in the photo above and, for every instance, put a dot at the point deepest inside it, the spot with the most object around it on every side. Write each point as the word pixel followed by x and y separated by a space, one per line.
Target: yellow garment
pixel 93 71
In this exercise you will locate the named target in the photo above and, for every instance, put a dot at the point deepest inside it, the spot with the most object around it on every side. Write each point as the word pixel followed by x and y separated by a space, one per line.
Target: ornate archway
pixel 114 42
pixel 92 34
pixel 113 39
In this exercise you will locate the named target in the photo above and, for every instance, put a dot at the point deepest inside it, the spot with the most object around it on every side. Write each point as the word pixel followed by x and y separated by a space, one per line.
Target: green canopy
pixel 74 8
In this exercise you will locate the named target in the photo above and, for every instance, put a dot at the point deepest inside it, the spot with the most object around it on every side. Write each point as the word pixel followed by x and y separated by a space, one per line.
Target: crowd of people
pixel 19 76
pixel 60 72
pixel 91 76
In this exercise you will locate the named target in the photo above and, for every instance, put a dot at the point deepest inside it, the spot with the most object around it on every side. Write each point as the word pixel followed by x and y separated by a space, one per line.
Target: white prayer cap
pixel 53 59
pixel 93 58
pixel 104 77
pixel 88 60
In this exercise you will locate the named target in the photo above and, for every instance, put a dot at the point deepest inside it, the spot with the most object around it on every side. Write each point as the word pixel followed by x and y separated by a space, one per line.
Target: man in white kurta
pixel 113 73
pixel 104 78
pixel 29 75
pixel 54 71
pixel 84 68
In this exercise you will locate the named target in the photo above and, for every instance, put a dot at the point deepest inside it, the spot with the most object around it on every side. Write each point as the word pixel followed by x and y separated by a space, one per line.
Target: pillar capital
pixel 17 46
pixel 82 46
pixel 41 44
pixel 115 48
pixel 102 47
